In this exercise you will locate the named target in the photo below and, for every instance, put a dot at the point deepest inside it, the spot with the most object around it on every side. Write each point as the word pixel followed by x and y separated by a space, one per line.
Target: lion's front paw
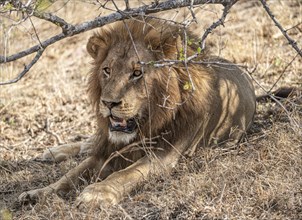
pixel 55 154
pixel 98 195
pixel 62 152
pixel 34 195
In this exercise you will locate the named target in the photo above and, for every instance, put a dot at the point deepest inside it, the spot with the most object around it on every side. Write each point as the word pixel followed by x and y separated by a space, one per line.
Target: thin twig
pixel 26 68
pixel 220 21
pixel 284 32
pixel 127 5
pixel 129 148
pixel 186 60
pixel 47 130
pixel 34 28
pixel 289 64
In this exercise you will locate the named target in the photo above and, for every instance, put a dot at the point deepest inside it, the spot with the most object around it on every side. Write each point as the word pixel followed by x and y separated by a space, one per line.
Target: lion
pixel 152 107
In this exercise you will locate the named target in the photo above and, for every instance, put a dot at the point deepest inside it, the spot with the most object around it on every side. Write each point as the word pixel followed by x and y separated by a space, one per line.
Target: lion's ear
pixel 172 46
pixel 99 44
pixel 93 46
pixel 167 43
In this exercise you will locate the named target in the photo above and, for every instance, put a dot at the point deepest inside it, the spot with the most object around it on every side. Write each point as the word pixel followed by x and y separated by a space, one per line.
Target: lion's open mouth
pixel 120 124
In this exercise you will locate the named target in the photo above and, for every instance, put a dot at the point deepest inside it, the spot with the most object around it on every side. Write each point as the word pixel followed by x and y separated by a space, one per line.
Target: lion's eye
pixel 137 73
pixel 106 71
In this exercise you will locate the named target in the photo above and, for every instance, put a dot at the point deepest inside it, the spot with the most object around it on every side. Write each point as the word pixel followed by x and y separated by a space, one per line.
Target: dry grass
pixel 260 179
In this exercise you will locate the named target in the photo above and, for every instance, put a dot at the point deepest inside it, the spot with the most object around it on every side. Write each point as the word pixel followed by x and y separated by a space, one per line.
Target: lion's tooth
pixel 124 123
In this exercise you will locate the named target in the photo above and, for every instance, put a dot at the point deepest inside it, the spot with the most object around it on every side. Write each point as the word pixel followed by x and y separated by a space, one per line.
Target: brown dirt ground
pixel 259 179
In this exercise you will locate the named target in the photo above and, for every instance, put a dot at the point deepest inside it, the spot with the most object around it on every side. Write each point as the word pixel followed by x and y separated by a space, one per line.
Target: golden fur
pixel 179 107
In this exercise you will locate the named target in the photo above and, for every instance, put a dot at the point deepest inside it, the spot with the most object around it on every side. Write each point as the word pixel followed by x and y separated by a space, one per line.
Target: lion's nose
pixel 110 105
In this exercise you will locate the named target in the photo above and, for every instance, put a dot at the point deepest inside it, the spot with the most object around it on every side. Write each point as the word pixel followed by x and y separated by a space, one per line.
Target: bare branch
pixel 71 30
pixel 284 32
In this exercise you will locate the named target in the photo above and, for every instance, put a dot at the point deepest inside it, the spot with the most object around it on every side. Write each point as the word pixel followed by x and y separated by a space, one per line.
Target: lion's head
pixel 126 93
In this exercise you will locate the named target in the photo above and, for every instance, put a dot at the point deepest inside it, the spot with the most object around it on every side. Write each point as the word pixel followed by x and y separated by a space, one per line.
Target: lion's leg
pixel 62 152
pixel 67 182
pixel 118 184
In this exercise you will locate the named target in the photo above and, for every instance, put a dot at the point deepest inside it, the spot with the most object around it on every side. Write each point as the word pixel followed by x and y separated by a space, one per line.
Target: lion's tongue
pixel 118 122
pixel 122 125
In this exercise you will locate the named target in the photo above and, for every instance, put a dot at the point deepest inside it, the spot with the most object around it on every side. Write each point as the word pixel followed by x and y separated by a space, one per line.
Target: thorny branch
pixel 284 32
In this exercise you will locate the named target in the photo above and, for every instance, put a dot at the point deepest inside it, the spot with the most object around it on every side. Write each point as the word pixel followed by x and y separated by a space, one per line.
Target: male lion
pixel 150 112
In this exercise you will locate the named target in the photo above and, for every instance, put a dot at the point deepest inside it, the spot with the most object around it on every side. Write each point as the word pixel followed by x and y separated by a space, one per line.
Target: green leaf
pixel 181 55
pixel 6 214
pixel 199 50
pixel 7 7
pixel 42 5
pixel 187 86
pixel 215 141
pixel 278 61
pixel 151 63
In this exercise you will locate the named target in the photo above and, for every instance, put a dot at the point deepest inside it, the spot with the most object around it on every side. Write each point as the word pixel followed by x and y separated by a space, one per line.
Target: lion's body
pixel 221 107
pixel 181 107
